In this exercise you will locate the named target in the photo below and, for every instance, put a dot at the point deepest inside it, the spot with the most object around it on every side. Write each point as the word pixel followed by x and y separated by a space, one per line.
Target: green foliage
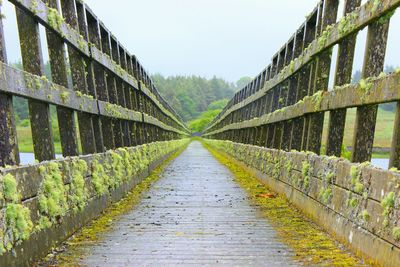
pixel 219 104
pixel 214 108
pixel 201 123
pixel 191 95
pixel 242 82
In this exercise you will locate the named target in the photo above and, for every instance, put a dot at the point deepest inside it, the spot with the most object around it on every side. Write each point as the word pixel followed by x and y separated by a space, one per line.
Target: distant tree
pixel 242 82
pixel 190 96
pixel 219 104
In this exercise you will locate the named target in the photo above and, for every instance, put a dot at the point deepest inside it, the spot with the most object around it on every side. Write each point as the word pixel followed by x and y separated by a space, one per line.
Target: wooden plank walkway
pixel 194 215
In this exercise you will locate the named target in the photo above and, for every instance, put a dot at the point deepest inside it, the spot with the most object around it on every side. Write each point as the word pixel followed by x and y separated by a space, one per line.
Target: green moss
pixel 10 192
pixel 347 24
pixel 17 225
pixel 375 5
pixel 317 99
pixel 396 233
pixel 325 195
pixel 34 6
pixel 353 202
pixel 38 83
pixel 365 87
pixel 52 197
pixel 54 19
pixel 99 178
pixel 82 44
pixel 306 172
pixel 365 215
pixel 288 167
pixel 387 204
pixel 64 96
pixel 324 37
pixel 329 177
pixel 117 170
pixel 78 192
pixel 355 174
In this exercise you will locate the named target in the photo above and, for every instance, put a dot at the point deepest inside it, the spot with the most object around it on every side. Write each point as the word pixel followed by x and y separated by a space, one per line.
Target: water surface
pixel 29 158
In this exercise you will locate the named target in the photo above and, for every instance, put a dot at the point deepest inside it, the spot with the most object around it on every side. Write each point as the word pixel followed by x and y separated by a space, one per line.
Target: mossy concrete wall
pixel 357 203
pixel 44 204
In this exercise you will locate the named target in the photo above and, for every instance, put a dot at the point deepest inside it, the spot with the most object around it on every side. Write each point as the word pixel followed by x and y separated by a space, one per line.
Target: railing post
pixel 322 72
pixel 58 63
pixel 100 81
pixel 307 73
pixel 343 73
pixel 9 153
pixel 77 64
pixel 374 58
pixel 39 112
pixel 287 97
pixel 298 123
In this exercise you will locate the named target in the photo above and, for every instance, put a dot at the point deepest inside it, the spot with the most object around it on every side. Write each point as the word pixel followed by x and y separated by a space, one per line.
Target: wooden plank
pixel 366 115
pixel 39 112
pixel 343 73
pixel 100 81
pixel 66 117
pixel 322 72
pixel 9 153
pixel 78 74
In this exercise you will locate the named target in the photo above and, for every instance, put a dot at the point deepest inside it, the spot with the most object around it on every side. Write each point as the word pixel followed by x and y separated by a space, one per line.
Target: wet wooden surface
pixel 194 215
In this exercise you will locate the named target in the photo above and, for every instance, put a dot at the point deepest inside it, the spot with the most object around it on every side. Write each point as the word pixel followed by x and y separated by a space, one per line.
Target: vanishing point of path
pixel 194 214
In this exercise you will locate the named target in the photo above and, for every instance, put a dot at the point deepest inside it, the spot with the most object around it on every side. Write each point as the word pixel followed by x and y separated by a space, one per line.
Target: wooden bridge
pixel 116 129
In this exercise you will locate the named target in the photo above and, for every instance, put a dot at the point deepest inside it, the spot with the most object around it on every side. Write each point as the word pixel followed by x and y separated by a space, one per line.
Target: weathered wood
pixel 366 115
pixel 78 74
pixel 39 112
pixel 357 20
pixel 66 117
pixel 9 154
pixel 101 101
pixel 343 75
pixel 322 72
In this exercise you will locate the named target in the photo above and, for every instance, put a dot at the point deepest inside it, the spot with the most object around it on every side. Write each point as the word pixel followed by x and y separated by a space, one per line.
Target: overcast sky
pixel 226 38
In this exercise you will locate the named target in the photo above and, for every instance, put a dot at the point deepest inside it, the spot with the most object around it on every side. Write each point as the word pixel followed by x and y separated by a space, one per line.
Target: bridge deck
pixel 195 214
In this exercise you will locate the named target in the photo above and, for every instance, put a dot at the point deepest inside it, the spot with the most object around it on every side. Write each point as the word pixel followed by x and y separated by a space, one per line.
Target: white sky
pixel 226 38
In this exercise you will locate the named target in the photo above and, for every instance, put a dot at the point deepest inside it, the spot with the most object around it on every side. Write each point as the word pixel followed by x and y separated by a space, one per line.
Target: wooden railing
pixel 284 106
pixel 116 102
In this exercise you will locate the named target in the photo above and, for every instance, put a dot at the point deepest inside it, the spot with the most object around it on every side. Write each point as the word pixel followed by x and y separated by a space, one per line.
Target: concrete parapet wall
pixel 44 204
pixel 358 203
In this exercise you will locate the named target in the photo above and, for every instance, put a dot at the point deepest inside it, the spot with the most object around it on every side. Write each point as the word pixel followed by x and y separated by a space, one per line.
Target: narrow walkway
pixel 195 214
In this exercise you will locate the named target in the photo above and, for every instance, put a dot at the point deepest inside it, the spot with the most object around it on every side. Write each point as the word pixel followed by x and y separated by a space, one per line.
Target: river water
pixel 28 158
